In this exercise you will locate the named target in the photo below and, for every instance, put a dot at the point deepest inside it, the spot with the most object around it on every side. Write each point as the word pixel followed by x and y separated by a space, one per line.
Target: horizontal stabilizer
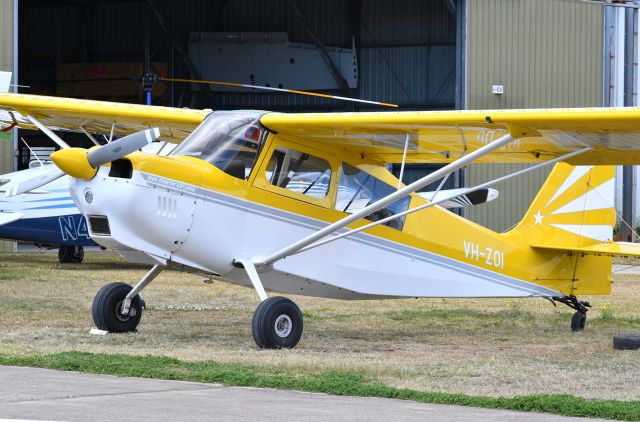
pixel 456 200
pixel 9 217
pixel 604 248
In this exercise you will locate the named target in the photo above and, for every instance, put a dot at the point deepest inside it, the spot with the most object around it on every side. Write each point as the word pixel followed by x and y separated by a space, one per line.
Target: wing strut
pixel 439 201
pixel 90 136
pixel 404 160
pixel 55 138
pixel 381 203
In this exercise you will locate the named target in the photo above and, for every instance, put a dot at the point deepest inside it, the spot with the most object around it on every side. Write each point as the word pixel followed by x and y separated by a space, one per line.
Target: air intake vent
pixel 99 225
pixel 121 168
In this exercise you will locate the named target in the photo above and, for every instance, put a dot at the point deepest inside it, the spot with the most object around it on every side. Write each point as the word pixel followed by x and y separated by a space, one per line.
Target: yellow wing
pixel 443 136
pixel 69 114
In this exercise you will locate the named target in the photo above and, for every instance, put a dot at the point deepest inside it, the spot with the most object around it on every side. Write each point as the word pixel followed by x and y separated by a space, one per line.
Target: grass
pixel 493 350
pixel 332 382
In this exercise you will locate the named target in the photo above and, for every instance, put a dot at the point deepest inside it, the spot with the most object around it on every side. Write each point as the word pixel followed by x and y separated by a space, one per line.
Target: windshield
pixel 227 139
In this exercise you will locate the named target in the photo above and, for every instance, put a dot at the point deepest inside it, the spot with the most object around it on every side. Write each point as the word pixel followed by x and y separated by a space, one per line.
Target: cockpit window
pixel 358 189
pixel 299 172
pixel 228 140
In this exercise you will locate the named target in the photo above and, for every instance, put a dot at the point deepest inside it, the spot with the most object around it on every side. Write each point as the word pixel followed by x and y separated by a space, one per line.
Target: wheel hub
pixel 122 317
pixel 283 326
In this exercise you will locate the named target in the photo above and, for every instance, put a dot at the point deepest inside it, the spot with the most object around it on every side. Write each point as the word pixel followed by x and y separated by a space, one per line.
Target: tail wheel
pixel 70 254
pixel 578 321
pixel 107 305
pixel 277 323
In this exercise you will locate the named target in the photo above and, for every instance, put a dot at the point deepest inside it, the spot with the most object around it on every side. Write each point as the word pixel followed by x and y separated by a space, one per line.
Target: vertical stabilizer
pixel 575 207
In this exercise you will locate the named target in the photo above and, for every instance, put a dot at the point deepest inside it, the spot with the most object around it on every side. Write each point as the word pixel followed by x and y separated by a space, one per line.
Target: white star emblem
pixel 538 217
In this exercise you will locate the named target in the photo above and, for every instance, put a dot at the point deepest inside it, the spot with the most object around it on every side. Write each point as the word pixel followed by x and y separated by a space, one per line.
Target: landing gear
pixel 579 318
pixel 70 254
pixel 277 323
pixel 117 307
pixel 107 309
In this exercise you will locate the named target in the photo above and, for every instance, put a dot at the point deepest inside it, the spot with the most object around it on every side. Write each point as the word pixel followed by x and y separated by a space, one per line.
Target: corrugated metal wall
pixel 546 53
pixel 406 48
pixel 6 64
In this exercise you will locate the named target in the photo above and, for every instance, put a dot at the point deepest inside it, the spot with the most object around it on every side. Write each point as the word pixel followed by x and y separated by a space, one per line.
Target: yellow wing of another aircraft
pixel 70 114
pixel 444 136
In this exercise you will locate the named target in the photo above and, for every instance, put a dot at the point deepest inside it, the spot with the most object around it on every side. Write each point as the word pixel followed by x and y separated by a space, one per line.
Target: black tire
pixel 70 254
pixel 578 321
pixel 106 309
pixel 626 341
pixel 277 312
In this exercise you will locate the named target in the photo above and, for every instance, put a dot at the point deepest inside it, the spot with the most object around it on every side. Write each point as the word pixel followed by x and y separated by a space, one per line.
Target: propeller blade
pixel 123 146
pixel 270 88
pixel 49 174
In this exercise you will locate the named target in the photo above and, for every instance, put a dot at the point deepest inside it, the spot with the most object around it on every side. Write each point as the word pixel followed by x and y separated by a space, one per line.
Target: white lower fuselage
pixel 157 220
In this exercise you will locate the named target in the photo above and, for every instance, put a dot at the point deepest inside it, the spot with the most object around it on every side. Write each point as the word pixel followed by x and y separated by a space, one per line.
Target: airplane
pixel 47 216
pixel 304 203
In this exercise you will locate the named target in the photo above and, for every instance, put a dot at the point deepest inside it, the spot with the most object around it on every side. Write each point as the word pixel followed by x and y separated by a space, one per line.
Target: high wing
pixel 68 114
pixel 444 136
pixel 430 136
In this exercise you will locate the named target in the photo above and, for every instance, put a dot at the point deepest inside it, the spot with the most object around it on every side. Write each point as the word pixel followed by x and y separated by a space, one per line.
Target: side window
pixel 299 172
pixel 358 189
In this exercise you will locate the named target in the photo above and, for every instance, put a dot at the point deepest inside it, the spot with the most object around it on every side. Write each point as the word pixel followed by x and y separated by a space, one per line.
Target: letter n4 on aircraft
pixel 303 204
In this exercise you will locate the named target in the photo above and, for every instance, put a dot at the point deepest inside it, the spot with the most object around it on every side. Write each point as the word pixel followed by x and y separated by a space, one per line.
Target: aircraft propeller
pixel 83 164
pixel 121 147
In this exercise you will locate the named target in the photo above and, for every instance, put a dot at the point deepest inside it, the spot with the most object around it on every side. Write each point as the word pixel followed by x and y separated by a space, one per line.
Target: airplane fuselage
pixel 44 217
pixel 184 212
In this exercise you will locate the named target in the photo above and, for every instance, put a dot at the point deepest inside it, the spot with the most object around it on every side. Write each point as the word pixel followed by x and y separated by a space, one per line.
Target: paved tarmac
pixel 43 394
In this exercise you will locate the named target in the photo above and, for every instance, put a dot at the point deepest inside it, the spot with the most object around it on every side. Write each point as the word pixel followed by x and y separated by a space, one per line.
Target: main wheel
pixel 277 323
pixel 106 309
pixel 578 321
pixel 70 254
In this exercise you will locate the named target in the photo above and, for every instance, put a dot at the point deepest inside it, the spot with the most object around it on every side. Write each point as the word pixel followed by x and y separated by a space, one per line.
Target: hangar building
pixel 420 54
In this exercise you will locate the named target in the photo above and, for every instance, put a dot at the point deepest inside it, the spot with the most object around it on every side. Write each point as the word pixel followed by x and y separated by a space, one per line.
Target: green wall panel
pixel 546 53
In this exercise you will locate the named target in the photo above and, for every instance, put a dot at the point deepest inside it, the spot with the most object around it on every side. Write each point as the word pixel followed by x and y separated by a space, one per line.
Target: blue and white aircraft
pixel 45 216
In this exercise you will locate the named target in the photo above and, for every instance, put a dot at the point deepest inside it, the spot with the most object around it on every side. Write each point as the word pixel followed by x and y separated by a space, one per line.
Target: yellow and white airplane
pixel 304 204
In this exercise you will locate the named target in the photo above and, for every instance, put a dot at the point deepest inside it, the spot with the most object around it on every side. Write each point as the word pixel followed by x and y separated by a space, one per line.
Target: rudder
pixel 575 206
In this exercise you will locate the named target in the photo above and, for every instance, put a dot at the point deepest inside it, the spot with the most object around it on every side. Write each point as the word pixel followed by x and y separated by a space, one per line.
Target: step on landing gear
pixel 579 318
